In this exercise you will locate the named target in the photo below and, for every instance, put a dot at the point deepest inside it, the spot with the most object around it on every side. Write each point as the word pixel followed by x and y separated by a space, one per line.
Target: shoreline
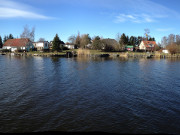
pixel 102 54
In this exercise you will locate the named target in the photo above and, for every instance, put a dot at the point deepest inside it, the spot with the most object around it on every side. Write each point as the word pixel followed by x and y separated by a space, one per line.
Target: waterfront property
pixel 70 46
pixel 165 51
pixel 129 48
pixel 22 44
pixel 148 45
pixel 41 45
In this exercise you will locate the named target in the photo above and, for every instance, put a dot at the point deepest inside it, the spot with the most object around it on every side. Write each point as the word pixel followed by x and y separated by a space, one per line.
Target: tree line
pixel 99 43
pixel 2 41
pixel 85 41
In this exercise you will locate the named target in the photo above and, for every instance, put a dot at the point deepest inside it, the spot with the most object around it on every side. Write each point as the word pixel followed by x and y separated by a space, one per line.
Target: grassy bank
pixel 94 53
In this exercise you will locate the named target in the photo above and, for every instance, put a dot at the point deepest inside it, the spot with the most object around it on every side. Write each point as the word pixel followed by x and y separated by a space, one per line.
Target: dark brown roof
pixel 22 42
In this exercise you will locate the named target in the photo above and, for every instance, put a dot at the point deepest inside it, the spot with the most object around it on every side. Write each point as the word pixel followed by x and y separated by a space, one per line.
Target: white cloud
pixel 141 18
pixel 142 11
pixel 11 9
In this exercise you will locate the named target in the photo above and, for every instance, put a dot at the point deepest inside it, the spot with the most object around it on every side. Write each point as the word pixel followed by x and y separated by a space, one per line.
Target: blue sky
pixel 104 18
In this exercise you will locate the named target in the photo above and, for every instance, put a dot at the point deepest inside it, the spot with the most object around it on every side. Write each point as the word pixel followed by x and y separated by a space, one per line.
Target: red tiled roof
pixel 148 43
pixel 22 42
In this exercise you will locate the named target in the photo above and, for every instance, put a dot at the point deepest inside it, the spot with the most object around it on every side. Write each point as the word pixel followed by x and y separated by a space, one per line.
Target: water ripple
pixel 95 94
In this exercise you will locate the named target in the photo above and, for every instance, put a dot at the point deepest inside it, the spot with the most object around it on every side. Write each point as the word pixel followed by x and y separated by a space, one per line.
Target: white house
pixel 148 45
pixel 70 46
pixel 41 45
pixel 165 51
pixel 18 44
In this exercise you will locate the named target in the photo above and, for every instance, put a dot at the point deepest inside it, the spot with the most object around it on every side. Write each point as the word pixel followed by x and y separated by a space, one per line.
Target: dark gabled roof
pixel 22 42
pixel 110 41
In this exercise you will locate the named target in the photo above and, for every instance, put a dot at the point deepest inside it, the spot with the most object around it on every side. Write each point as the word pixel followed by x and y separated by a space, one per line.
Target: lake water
pixel 89 94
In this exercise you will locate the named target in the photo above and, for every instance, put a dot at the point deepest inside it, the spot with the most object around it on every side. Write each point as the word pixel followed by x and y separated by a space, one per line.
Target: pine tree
pixel 97 43
pixel 123 41
pixel 56 43
pixel 78 40
pixel 10 36
pixel 1 43
pixel 127 41
pixel 5 39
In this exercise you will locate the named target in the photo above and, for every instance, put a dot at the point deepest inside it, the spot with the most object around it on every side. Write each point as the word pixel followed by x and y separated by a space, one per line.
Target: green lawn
pixel 94 52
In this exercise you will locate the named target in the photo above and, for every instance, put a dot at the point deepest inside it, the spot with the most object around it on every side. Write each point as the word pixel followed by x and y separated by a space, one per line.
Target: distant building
pixel 129 48
pixel 70 46
pixel 109 44
pixel 41 45
pixel 148 45
pixel 165 51
pixel 23 44
pixel 89 46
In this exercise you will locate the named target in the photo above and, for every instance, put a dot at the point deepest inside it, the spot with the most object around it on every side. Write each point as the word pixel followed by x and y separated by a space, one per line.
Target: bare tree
pixel 173 48
pixel 178 39
pixel 41 39
pixel 164 41
pixel 85 40
pixel 27 33
pixel 146 33
pixel 171 39
pixel 72 39
pixel 32 34
pixel 118 36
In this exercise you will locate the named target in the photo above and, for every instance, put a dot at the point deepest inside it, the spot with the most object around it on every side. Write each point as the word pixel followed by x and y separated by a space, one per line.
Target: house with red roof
pixel 148 45
pixel 23 44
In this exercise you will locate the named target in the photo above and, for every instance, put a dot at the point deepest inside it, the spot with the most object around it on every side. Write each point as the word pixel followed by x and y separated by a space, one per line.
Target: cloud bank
pixel 11 9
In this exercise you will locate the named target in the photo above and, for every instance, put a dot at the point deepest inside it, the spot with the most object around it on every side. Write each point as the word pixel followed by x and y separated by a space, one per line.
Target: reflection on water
pixel 115 95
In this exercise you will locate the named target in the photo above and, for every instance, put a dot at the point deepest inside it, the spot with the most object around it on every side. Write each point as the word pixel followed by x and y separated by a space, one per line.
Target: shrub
pixel 6 50
pixel 65 48
pixel 46 50
pixel 173 48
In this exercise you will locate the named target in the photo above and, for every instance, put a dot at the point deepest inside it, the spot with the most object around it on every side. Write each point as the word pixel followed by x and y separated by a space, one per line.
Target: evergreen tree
pixel 5 39
pixel 151 39
pixel 78 40
pixel 1 43
pixel 139 40
pixel 123 41
pixel 10 36
pixel 132 40
pixel 127 41
pixel 135 41
pixel 97 43
pixel 56 43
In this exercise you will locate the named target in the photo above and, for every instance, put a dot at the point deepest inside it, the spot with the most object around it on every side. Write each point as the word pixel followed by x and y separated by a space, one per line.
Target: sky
pixel 104 18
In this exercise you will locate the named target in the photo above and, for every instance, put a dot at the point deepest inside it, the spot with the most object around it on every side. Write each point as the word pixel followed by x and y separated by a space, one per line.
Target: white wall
pixel 69 46
pixel 165 51
pixel 44 45
pixel 6 47
pixel 141 46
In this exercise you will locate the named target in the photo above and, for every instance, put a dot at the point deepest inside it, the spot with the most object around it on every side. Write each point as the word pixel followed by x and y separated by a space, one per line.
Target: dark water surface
pixel 78 94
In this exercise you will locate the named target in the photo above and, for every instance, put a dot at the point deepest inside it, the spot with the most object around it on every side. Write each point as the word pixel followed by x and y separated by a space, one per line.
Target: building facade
pixel 148 45
pixel 70 46
pixel 41 45
pixel 22 44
